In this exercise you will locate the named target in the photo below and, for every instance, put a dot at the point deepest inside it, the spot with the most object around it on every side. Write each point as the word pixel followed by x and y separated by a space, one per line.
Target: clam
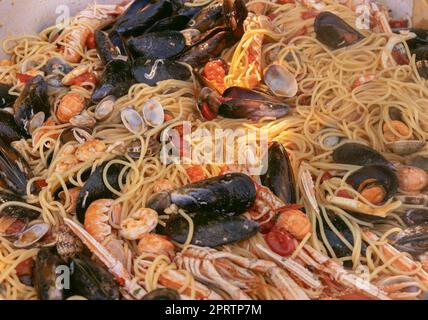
pixel 331 141
pixel 105 108
pixel 405 147
pixel 280 81
pixel 153 113
pixel 36 121
pixel 57 65
pixel 81 135
pixel 83 120
pixel 132 120
pixel 32 235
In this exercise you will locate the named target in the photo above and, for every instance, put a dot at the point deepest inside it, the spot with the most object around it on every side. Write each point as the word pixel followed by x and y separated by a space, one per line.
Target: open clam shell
pixel 105 108
pixel 32 235
pixel 132 120
pixel 405 147
pixel 280 81
pixel 153 113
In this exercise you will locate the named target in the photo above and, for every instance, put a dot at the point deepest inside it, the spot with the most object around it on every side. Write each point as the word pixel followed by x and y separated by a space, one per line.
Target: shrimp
pixel 97 218
pixel 140 222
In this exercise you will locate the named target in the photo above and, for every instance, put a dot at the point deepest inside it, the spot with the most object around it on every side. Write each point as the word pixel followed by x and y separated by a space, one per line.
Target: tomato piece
pixel 280 242
pixel 285 1
pixel 399 57
pixel 267 227
pixel 86 77
pixel 41 183
pixel 308 14
pixel 24 78
pixel 326 176
pixel 196 173
pixel 399 24
pixel 344 194
pixel 206 112
pixel 90 41
pixel 25 268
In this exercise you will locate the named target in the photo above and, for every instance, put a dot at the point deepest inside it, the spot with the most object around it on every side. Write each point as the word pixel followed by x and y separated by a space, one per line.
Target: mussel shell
pixel 413 240
pixel 105 48
pixel 152 72
pixel 422 67
pixel 421 53
pixel 252 109
pixel 157 45
pixel 9 130
pixel 382 175
pixel 279 177
pixel 92 281
pixel 33 99
pixel 94 188
pixel 74 134
pixel 240 93
pixel 420 40
pixel 208 18
pixel 334 32
pixel 6 99
pixel 415 216
pixel 136 23
pixel 115 81
pixel 211 230
pixel 177 22
pixel 235 12
pixel 200 54
pixel 162 294
pixel 45 275
pixel 359 155
pixel 57 64
pixel 231 194
pixel 340 249
pixel 14 170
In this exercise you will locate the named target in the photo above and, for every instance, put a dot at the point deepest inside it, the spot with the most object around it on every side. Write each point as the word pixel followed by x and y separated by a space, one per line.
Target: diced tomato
pixel 308 14
pixel 22 77
pixel 86 77
pixel 206 112
pixel 326 176
pixel 41 183
pixel 196 173
pixel 344 194
pixel 215 71
pixel 400 24
pixel 285 1
pixel 90 41
pixel 399 57
pixel 267 226
pixel 280 242
pixel 25 268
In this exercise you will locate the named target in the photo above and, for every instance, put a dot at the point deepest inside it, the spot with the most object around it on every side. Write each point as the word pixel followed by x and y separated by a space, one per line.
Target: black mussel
pixel 415 216
pixel 211 230
pixel 106 50
pixel 162 294
pixel 200 54
pixel 94 188
pixel 419 162
pixel 252 109
pixel 57 65
pixel 136 23
pixel 235 13
pixel 9 130
pixel 32 101
pixel 157 45
pixel 117 41
pixel 209 17
pixel 339 247
pixel 6 99
pixel 115 81
pixel 151 72
pixel 279 177
pixel 359 155
pixel 209 101
pixel 422 67
pixel 189 12
pixel 413 240
pixel 136 7
pixel 421 53
pixel 177 22
pixel 14 170
pixel 92 281
pixel 244 93
pixel 14 219
pixel 231 194
pixel 377 182
pixel 334 32
pixel 420 40
pixel 45 276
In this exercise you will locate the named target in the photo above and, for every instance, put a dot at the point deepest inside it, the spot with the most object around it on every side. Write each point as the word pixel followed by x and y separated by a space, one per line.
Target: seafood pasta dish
pixel 173 149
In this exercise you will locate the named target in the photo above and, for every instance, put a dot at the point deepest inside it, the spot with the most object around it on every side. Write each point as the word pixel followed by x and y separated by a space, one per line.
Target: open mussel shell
pixel 32 235
pixel 334 32
pixel 153 113
pixel 151 72
pixel 415 216
pixel 106 50
pixel 358 154
pixel 105 108
pixel 6 99
pixel 252 109
pixel 375 175
pixel 157 45
pixel 177 22
pixel 413 240
pixel 280 81
pixel 211 230
pixel 45 275
pixel 132 120
pixel 162 294
pixel 9 130
pixel 406 147
pixel 422 67
pixel 57 65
